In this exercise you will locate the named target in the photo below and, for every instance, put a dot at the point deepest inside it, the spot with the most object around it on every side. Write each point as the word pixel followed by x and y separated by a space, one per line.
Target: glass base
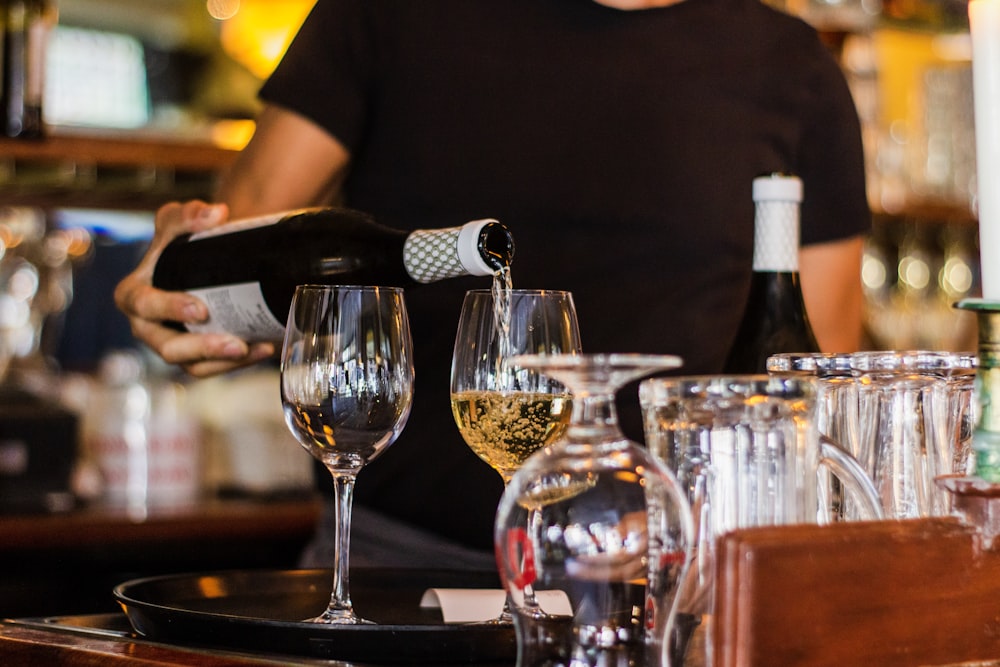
pixel 339 617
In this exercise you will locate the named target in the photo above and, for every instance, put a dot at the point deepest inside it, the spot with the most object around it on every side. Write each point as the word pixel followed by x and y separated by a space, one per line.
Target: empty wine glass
pixel 346 390
pixel 598 520
pixel 505 412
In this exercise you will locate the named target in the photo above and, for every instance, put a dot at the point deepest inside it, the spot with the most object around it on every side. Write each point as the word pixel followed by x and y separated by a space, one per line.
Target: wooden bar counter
pixel 102 640
pixel 88 641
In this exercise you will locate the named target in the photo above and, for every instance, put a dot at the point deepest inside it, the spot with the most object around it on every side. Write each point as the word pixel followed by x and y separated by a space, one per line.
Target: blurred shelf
pixel 123 169
pixel 108 528
pixel 930 211
pixel 121 148
pixel 69 562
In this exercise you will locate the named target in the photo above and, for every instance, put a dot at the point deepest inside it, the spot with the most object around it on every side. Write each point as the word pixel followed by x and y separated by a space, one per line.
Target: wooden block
pixel 893 593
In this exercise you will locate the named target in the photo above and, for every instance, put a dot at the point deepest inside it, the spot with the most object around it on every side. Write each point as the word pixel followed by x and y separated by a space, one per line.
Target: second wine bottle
pixel 775 318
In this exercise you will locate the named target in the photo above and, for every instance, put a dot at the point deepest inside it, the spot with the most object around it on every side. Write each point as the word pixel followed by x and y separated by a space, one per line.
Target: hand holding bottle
pixel 149 309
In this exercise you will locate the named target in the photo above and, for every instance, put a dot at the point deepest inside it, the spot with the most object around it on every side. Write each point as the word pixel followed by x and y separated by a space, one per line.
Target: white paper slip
pixel 469 605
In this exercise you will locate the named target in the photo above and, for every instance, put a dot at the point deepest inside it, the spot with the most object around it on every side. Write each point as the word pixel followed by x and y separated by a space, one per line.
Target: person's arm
pixel 289 163
pixel 831 287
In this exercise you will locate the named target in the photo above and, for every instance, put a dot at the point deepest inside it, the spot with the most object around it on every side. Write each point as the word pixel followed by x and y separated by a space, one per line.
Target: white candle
pixel 984 25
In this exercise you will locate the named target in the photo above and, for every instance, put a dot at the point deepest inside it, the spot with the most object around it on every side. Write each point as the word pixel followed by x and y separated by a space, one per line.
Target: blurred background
pixel 141 106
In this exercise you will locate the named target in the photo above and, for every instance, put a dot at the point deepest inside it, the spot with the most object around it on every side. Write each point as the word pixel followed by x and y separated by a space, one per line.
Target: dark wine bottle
pixel 775 318
pixel 247 270
pixel 26 28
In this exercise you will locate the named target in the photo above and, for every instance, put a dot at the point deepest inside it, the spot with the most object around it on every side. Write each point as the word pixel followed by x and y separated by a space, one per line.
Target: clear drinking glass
pixel 916 417
pixel 506 412
pixel 595 519
pixel 836 396
pixel 836 413
pixel 346 390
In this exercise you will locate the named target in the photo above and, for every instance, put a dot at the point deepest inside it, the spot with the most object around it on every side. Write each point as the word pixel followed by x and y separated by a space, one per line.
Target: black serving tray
pixel 263 611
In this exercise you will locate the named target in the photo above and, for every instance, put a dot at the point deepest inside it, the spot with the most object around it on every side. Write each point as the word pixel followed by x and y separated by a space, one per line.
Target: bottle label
pixel 240 310
pixel 145 447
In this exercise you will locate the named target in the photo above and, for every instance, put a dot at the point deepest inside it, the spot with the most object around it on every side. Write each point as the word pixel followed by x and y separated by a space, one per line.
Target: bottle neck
pixel 431 255
pixel 478 248
pixel 776 237
pixel 781 287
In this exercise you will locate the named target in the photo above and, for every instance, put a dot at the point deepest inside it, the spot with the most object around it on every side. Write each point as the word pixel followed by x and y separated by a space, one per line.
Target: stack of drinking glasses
pixel 820 438
pixel 747 452
pixel 907 416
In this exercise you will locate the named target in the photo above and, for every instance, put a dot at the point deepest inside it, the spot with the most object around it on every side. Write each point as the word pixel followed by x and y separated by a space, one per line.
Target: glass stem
pixel 505 614
pixel 595 418
pixel 535 527
pixel 340 598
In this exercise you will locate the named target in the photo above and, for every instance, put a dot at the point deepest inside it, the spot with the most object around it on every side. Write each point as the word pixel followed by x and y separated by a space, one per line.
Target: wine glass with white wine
pixel 505 412
pixel 346 390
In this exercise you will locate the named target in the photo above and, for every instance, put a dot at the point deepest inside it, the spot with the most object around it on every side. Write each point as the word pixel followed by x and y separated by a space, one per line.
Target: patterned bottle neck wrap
pixel 776 224
pixel 435 254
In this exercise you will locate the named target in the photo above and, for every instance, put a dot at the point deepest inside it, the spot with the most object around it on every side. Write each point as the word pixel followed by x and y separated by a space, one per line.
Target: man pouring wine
pixel 617 139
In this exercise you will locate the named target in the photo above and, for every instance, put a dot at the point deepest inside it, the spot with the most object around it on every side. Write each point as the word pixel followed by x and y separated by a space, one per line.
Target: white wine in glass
pixel 503 412
pixel 505 428
pixel 346 391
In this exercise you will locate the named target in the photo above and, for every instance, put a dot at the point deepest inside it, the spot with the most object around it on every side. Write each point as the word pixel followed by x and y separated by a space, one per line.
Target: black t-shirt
pixel 618 146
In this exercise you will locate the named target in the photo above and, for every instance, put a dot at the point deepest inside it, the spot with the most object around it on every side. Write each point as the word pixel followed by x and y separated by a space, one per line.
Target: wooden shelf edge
pixel 121 149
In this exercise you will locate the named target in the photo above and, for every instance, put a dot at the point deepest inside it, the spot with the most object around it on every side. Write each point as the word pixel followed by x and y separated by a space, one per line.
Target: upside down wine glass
pixel 597 519
pixel 505 412
pixel 346 391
